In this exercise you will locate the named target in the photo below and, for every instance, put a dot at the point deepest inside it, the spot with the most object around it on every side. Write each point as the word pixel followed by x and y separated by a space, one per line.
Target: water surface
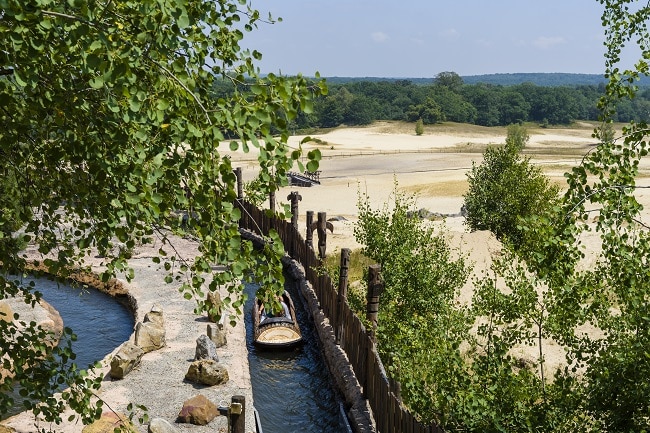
pixel 292 390
pixel 99 321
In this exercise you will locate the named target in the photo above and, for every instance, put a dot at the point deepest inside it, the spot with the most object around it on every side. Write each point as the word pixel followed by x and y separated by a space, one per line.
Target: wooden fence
pixel 357 342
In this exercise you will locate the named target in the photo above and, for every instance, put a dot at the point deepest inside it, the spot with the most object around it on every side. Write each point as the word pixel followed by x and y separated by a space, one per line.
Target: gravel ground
pixel 158 382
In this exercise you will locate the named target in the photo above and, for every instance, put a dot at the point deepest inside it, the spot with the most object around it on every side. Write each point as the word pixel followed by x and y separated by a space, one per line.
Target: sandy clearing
pixel 367 160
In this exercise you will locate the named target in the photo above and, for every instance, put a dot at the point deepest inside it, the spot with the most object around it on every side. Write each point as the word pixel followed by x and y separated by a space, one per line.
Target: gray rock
pixel 159 425
pixel 205 349
pixel 216 334
pixel 125 360
pixel 214 305
pixel 155 315
pixel 207 372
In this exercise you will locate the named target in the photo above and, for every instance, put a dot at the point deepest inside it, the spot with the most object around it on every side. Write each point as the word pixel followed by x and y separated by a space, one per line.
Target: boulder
pixel 127 358
pixel 198 410
pixel 207 372
pixel 217 334
pixel 155 315
pixel 150 333
pixel 205 349
pixel 6 429
pixel 6 313
pixel 159 425
pixel 108 422
pixel 213 304
pixel 149 336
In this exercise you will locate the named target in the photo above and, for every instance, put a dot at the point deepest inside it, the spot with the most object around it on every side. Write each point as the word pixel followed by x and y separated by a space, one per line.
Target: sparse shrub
pixel 419 127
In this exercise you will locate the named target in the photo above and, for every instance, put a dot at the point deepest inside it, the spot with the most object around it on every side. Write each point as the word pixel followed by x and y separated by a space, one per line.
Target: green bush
pixel 506 188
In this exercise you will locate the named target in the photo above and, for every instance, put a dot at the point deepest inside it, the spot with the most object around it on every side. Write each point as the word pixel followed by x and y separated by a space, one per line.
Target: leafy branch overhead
pixel 110 127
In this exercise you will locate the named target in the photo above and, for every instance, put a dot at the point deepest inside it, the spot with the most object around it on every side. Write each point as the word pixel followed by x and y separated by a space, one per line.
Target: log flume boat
pixel 279 330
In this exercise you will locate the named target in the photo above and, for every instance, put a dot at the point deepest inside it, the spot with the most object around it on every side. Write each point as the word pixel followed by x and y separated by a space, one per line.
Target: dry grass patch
pixel 357 266
pixel 466 129
pixel 468 147
pixel 452 188
pixel 643 175
pixel 451 128
pixel 557 149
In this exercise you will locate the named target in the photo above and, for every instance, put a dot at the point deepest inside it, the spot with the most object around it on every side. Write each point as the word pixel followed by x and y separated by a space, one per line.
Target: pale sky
pixel 421 38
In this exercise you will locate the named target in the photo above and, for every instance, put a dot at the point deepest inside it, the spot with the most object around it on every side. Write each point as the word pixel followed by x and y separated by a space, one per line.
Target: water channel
pixel 292 390
pixel 100 322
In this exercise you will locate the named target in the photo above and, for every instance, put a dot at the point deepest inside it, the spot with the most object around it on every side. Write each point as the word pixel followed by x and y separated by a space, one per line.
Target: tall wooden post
pixel 240 183
pixel 375 288
pixel 294 198
pixel 309 238
pixel 370 355
pixel 321 230
pixel 237 414
pixel 272 200
pixel 343 292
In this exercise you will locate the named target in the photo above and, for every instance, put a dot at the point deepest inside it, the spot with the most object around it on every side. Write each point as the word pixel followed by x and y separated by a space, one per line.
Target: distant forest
pixel 555 79
pixel 487 100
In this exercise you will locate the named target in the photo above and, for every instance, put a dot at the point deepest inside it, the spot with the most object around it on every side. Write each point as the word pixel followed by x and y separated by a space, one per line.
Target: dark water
pixel 99 321
pixel 292 391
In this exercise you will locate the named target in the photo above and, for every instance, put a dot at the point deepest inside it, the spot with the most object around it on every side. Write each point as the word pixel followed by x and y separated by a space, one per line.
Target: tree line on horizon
pixel 449 98
pixel 552 79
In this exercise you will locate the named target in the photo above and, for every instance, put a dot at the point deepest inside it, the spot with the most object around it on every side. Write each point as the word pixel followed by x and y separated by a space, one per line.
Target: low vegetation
pixel 506 188
pixel 547 287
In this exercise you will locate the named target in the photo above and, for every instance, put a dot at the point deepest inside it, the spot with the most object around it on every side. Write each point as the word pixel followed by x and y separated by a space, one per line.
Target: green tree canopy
pixel 450 80
pixel 110 129
pixel 506 188
pixel 429 112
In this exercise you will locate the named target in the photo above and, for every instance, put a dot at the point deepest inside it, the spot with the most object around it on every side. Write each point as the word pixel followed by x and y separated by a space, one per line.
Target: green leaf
pixel 97 82
pixel 314 154
pixel 183 20
pixel 132 198
pixel 19 79
pixel 312 166
pixel 162 104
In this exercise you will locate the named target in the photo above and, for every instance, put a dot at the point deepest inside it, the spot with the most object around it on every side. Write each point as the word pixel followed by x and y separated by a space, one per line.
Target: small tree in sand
pixel 419 127
pixel 505 188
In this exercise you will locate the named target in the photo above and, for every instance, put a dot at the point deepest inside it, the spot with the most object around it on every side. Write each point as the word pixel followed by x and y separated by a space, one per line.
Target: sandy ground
pixel 433 167
pixel 368 160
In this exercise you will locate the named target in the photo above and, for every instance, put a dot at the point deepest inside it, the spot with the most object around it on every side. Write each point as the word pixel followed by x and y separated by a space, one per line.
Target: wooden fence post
pixel 370 355
pixel 240 183
pixel 309 237
pixel 375 288
pixel 237 414
pixel 321 229
pixel 272 201
pixel 294 198
pixel 343 292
